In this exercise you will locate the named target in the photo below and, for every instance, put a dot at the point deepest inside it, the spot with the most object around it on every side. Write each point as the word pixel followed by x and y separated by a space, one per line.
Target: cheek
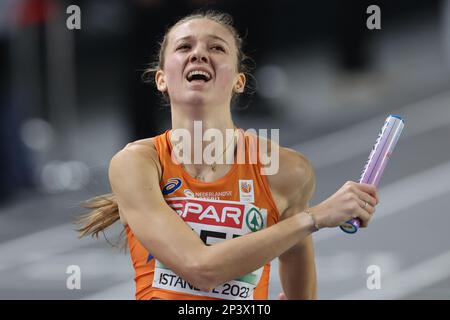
pixel 226 76
pixel 173 71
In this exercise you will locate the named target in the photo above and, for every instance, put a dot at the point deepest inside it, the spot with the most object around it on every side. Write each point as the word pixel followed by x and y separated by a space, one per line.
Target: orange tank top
pixel 237 204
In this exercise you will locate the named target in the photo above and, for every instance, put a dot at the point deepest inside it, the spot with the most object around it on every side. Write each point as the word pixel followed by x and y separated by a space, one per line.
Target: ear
pixel 240 83
pixel 160 79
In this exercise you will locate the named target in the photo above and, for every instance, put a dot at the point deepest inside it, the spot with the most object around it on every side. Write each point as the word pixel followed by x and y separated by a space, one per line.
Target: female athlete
pixel 202 230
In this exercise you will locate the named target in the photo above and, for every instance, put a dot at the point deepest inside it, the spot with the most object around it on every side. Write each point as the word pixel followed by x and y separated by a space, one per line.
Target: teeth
pixel 194 72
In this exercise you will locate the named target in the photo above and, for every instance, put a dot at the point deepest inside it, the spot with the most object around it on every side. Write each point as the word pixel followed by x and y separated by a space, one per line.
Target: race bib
pixel 215 221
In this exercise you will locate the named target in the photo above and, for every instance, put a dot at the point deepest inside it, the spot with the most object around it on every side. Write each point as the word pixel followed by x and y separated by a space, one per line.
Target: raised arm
pixel 134 177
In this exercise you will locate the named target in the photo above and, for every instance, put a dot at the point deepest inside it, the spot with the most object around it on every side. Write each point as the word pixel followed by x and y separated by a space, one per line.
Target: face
pixel 200 64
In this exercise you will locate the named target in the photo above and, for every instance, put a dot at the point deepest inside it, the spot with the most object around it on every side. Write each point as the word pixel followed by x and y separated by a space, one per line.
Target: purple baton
pixel 378 158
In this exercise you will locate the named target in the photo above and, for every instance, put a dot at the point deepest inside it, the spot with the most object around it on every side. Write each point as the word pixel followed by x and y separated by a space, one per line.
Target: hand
pixel 352 200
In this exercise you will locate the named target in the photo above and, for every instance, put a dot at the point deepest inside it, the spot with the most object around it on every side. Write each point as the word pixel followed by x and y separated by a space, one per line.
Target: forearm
pixel 234 258
pixel 298 272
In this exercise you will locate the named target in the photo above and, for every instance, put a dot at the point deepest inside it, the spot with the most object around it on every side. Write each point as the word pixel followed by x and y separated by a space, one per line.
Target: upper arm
pixel 134 178
pixel 294 183
pixel 304 181
pixel 298 186
pixel 297 265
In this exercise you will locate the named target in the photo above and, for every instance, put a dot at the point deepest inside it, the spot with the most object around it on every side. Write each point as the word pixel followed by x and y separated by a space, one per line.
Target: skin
pixel 136 167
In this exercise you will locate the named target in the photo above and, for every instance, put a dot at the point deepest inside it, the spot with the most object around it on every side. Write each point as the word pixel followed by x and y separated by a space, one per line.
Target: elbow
pixel 203 275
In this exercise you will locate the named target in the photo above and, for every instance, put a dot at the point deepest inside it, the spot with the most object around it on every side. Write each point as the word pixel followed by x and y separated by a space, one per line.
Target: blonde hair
pixel 104 212
pixel 104 209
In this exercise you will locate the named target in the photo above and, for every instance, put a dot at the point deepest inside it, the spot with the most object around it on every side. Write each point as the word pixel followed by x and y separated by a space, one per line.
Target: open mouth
pixel 198 75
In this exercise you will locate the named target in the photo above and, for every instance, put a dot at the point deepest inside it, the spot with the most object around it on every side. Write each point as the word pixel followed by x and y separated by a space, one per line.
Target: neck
pixel 196 120
pixel 211 117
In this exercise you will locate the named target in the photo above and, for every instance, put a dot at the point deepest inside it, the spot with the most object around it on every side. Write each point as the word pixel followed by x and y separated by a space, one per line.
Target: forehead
pixel 201 28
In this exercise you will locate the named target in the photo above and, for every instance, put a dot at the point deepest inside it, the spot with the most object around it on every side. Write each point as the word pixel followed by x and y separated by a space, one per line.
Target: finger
pixel 368 188
pixel 366 197
pixel 365 205
pixel 364 217
pixel 282 296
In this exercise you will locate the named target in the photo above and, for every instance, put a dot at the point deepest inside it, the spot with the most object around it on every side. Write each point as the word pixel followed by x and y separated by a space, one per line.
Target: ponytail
pixel 104 212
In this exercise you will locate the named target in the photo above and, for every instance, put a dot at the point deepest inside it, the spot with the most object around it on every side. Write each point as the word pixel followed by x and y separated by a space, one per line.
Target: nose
pixel 199 54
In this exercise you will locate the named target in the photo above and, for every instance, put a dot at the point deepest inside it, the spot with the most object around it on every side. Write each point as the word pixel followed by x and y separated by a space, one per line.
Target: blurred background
pixel 70 99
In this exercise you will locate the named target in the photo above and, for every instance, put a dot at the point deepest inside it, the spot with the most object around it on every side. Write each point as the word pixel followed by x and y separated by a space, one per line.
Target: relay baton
pixel 378 158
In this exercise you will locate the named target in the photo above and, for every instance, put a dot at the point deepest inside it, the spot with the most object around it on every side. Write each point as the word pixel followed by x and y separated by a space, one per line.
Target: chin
pixel 196 99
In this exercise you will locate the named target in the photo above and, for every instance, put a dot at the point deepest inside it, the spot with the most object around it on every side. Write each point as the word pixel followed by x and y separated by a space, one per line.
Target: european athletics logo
pixel 173 185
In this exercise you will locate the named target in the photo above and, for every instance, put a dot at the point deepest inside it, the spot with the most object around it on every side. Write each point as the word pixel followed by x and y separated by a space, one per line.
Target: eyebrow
pixel 209 36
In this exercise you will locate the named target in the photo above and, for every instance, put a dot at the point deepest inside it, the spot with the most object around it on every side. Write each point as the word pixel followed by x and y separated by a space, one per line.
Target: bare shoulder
pixel 135 164
pixel 142 145
pixel 293 183
pixel 295 172
pixel 139 150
